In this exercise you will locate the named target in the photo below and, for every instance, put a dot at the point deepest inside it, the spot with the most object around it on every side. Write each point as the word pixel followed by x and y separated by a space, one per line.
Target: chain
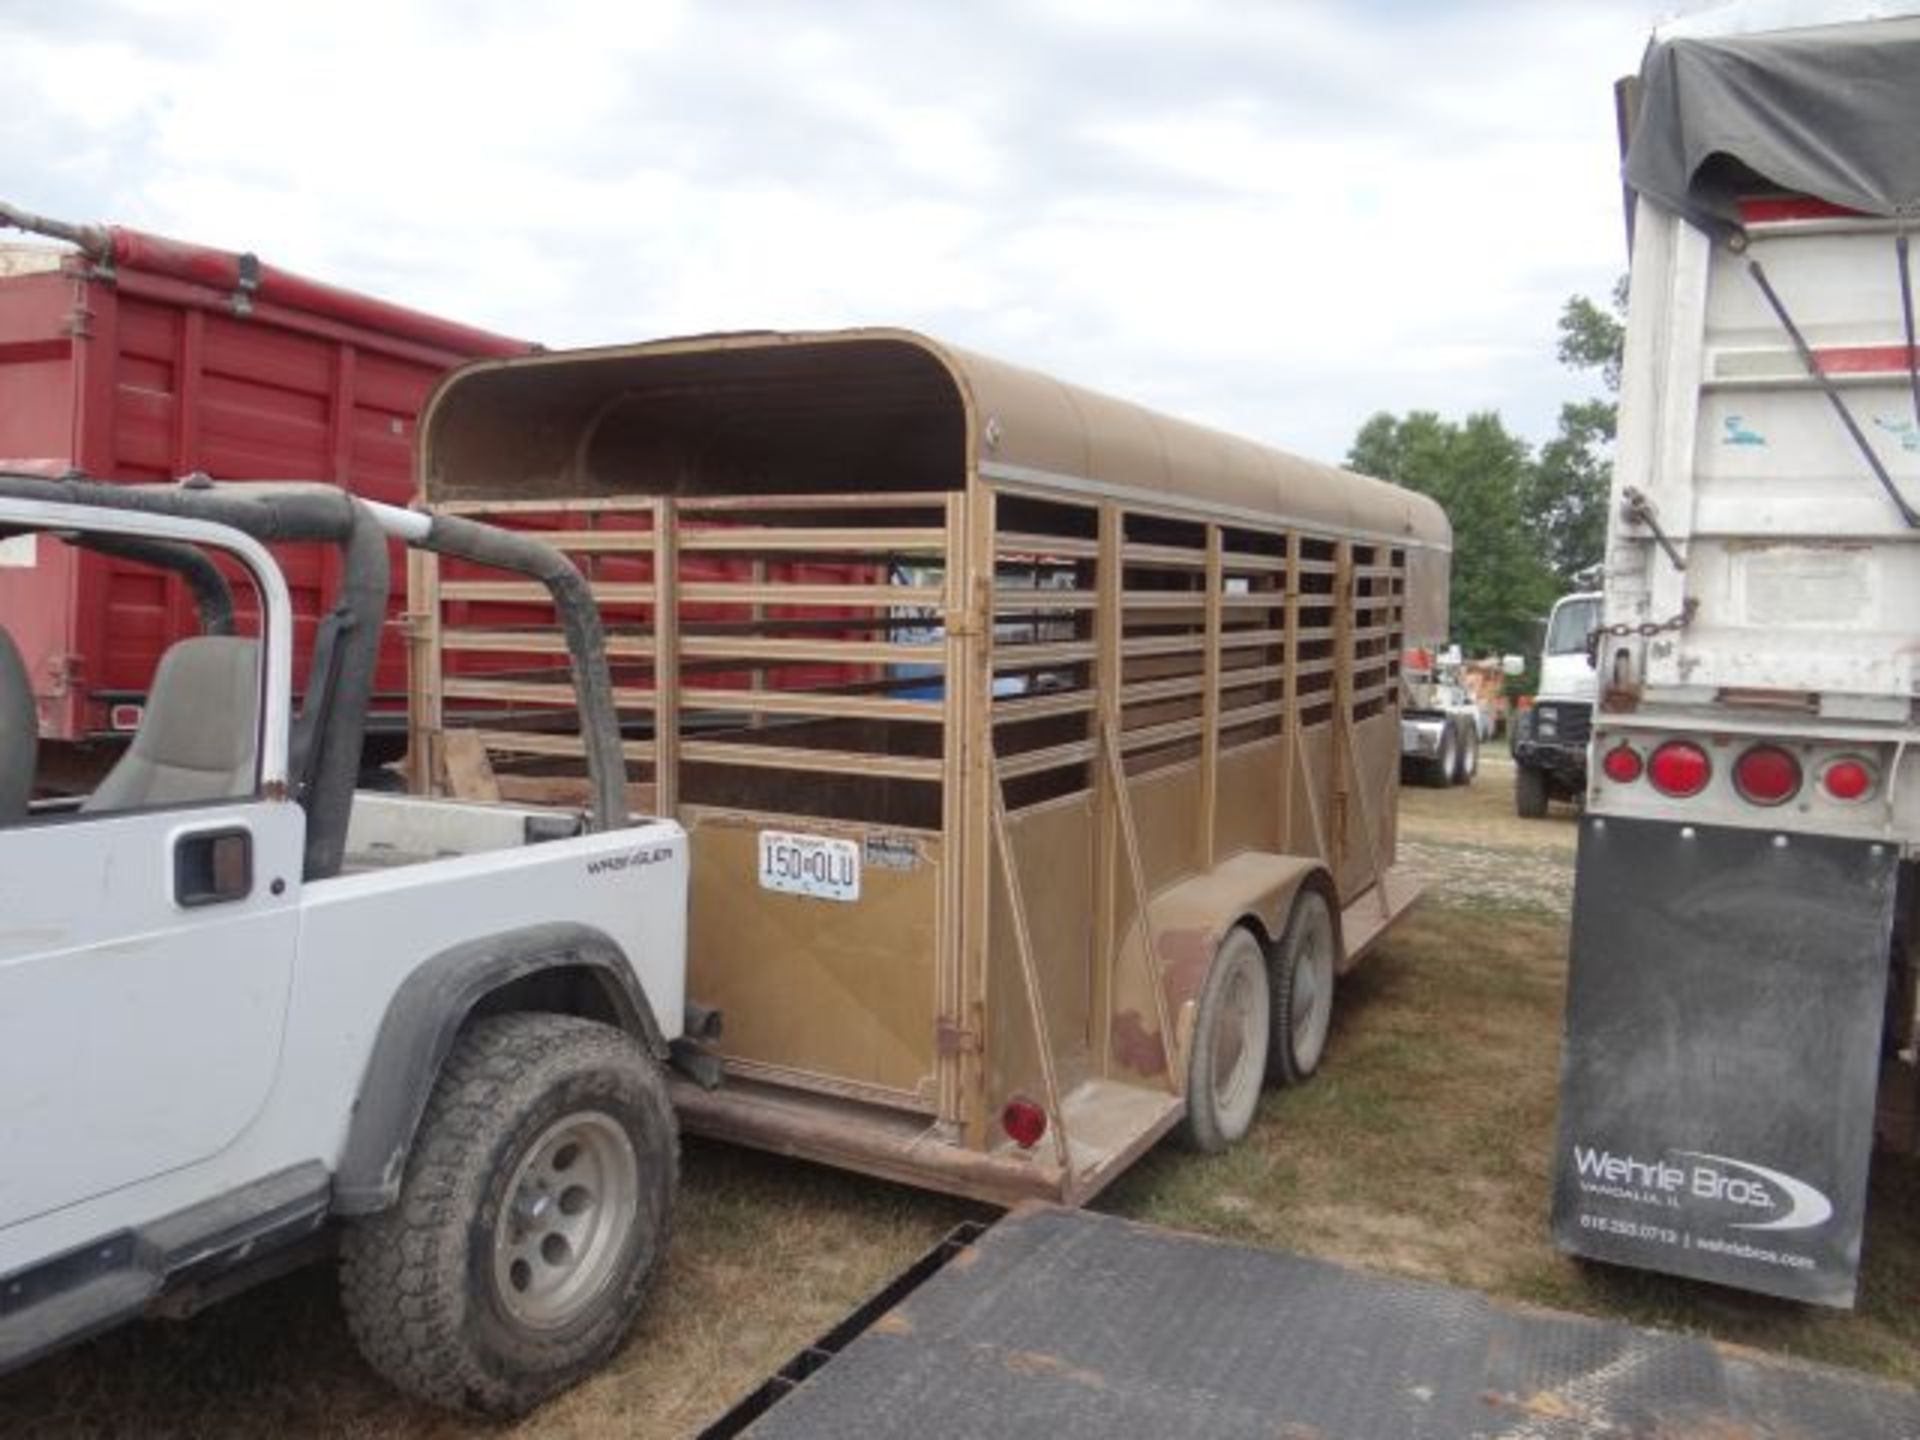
pixel 1646 629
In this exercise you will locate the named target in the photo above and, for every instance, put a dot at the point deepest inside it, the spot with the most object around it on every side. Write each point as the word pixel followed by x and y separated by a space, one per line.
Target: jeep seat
pixel 196 740
pixel 19 734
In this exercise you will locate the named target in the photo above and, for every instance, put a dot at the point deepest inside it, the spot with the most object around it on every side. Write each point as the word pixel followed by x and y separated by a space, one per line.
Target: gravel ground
pixel 1474 852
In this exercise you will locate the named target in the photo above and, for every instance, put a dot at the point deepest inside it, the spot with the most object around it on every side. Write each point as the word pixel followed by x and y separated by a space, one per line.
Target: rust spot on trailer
pixel 1184 956
pixel 1038 1362
pixel 1137 1048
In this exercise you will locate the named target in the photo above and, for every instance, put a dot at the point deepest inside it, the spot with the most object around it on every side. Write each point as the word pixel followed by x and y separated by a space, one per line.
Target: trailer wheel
pixel 1439 770
pixel 533 1214
pixel 1466 763
pixel 1529 792
pixel 1301 984
pixel 1229 1054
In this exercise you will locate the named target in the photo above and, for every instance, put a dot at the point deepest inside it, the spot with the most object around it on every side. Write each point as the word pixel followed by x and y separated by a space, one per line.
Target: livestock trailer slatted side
pixel 980 767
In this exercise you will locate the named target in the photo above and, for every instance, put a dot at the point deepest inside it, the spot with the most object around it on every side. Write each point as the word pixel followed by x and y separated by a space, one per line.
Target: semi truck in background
pixel 1441 724
pixel 1741 1003
pixel 1549 738
pixel 133 357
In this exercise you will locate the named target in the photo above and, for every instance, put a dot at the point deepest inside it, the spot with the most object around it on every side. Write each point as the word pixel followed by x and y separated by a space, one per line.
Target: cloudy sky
pixel 1276 216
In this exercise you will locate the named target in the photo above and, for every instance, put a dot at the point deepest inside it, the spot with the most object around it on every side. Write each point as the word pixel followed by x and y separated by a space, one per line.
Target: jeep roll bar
pixel 340 683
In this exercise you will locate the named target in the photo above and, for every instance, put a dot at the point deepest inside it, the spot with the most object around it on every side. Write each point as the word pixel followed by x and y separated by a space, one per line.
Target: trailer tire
pixel 1529 792
pixel 1437 773
pixel 1228 1058
pixel 536 1205
pixel 1301 985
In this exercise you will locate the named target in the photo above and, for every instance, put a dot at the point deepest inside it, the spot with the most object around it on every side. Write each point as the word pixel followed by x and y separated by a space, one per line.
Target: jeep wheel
pixel 1229 1053
pixel 534 1210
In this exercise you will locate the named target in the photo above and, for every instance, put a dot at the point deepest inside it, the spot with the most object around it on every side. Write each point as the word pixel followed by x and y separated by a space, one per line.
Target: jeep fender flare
pixel 427 1014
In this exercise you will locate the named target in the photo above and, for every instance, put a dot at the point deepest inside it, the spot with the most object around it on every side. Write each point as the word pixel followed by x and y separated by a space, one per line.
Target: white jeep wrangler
pixel 248 1014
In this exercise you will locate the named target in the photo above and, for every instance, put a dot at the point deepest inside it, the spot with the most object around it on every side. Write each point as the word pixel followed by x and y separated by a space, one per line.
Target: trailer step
pixel 1066 1325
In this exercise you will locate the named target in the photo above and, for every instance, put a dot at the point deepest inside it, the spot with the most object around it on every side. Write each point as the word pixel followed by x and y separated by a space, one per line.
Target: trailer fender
pixel 566 968
pixel 1189 919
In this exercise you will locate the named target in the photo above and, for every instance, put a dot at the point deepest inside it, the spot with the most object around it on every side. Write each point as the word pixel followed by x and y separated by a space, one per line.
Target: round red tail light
pixel 1679 768
pixel 1024 1122
pixel 1848 779
pixel 1622 764
pixel 1766 775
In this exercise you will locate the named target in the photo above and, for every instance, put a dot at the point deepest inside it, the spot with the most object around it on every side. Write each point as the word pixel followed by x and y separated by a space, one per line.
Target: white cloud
pixel 1273 217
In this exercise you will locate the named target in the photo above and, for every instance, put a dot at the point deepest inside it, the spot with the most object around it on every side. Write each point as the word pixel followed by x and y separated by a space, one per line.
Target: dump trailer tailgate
pixel 1065 1324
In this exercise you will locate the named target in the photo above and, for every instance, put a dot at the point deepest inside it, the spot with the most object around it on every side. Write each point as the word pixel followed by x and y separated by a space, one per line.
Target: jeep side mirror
pixel 1511 665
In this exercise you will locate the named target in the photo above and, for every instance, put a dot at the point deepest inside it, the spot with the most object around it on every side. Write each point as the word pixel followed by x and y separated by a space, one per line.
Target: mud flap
pixel 1725 996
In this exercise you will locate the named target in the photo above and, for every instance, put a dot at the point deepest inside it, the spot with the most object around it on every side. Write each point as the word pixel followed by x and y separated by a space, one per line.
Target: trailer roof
pixel 858 411
pixel 1828 111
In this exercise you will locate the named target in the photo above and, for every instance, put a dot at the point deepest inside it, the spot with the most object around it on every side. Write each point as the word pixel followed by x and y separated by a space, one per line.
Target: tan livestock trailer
pixel 945 665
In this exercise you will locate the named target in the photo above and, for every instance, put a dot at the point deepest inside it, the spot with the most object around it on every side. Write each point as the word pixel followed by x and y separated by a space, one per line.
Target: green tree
pixel 1480 473
pixel 1565 500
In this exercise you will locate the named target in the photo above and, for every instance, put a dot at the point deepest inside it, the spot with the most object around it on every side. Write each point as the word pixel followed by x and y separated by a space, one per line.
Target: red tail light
pixel 1024 1122
pixel 1766 775
pixel 1680 769
pixel 1848 779
pixel 1622 764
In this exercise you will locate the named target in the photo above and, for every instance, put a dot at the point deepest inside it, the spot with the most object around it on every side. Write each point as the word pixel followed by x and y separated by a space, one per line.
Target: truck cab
pixel 250 1015
pixel 1550 736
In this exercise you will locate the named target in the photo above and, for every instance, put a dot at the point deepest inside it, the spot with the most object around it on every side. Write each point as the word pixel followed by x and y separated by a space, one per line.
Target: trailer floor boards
pixel 1066 1324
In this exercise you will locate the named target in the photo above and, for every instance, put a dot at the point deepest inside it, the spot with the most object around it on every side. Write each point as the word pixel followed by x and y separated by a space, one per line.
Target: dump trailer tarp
pixel 1830 111
pixel 1065 1324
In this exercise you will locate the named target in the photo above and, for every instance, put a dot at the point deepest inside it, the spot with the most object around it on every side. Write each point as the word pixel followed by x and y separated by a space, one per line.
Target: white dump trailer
pixel 1741 999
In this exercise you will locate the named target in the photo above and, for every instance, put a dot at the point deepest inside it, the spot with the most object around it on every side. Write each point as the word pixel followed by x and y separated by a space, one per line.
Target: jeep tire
pixel 533 1213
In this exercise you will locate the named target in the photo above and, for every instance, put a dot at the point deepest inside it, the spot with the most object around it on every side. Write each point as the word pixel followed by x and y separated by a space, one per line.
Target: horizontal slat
pixel 1148 737
pixel 1160 645
pixel 529 592
pixel 821 762
pixel 800 702
pixel 823 652
pixel 1233 561
pixel 1193 600
pixel 1013 709
pixel 606 505
pixel 811 541
pixel 536 642
pixel 1247 714
pixel 729 592
pixel 1256 600
pixel 1177 687
pixel 1245 639
pixel 1033 762
pixel 563 746
pixel 599 542
pixel 1011 600
pixel 537 692
pixel 864 500
pixel 1044 547
pixel 1032 657
pixel 1174 557
pixel 1251 676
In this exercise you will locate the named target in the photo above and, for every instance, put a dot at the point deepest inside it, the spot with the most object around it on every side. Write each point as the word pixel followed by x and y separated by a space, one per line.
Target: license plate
pixel 815 865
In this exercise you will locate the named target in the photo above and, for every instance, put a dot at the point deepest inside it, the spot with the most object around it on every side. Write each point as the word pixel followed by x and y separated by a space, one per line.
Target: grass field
pixel 1422 1149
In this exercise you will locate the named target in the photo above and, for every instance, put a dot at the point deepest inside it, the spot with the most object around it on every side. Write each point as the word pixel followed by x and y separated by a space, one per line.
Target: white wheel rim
pixel 563 1226
pixel 1238 1057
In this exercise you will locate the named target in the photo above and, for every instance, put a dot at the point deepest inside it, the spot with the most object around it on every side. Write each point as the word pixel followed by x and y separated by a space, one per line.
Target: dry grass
pixel 1422 1149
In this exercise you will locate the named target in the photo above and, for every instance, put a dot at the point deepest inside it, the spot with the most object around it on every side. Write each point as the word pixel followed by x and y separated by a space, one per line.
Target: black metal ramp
pixel 1065 1324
